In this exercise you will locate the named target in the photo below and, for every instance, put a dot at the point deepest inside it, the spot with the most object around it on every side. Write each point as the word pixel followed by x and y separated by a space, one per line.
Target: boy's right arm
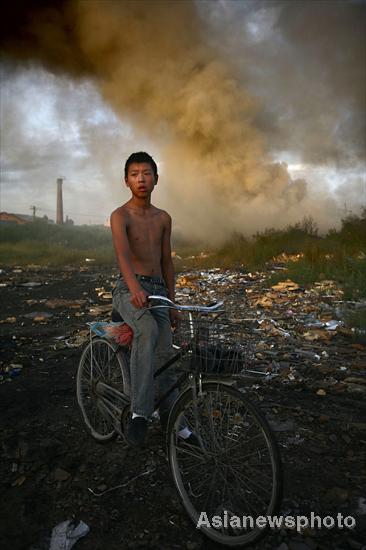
pixel 123 253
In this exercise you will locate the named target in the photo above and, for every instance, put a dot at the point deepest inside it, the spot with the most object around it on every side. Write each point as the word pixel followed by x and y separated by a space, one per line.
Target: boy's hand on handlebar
pixel 175 317
pixel 139 298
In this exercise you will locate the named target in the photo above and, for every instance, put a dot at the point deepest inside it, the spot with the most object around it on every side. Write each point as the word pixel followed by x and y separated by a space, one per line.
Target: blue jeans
pixel 151 348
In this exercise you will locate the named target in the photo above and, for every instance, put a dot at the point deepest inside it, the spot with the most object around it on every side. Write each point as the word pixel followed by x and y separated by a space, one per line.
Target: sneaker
pixel 136 431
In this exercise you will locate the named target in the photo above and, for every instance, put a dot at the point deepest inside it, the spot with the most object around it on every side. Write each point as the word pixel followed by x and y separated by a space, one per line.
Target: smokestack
pixel 59 207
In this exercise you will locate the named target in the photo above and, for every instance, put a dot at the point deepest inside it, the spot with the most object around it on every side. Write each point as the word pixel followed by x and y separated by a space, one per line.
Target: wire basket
pixel 212 345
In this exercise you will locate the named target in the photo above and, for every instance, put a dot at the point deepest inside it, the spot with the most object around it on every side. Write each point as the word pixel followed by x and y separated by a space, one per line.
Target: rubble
pixel 306 371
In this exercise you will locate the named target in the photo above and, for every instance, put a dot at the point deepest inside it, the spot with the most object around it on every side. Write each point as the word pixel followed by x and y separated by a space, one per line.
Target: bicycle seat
pixel 117 317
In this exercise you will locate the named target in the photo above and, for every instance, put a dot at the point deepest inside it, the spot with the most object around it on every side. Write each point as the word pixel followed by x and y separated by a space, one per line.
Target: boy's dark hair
pixel 140 157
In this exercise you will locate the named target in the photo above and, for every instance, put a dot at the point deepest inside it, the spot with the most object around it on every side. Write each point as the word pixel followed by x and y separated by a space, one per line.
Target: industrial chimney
pixel 59 207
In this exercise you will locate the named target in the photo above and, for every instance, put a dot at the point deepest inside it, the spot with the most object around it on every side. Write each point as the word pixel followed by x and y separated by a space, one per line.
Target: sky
pixel 253 110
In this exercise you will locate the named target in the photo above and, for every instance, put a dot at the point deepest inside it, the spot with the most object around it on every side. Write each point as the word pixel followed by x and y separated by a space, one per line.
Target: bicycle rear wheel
pixel 235 472
pixel 100 361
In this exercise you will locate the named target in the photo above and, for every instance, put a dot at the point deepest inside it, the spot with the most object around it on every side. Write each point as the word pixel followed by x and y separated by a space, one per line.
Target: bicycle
pixel 235 471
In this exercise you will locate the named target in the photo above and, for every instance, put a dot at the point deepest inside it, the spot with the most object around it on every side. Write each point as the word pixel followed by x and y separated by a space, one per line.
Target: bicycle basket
pixel 212 346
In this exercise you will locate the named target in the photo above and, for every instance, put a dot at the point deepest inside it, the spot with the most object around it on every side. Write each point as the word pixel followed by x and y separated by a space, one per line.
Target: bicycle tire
pixel 228 478
pixel 100 360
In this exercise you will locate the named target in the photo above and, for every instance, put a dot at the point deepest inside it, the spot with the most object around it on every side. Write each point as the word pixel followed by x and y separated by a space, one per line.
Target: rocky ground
pixel 313 396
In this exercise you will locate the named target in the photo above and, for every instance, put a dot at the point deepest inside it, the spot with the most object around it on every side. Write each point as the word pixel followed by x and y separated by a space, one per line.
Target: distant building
pixel 14 219
pixel 8 218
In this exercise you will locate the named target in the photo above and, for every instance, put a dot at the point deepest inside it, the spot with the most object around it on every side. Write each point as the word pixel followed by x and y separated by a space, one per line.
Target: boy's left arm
pixel 168 268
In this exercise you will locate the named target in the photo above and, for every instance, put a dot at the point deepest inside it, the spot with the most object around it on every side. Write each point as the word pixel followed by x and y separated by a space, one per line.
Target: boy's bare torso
pixel 145 229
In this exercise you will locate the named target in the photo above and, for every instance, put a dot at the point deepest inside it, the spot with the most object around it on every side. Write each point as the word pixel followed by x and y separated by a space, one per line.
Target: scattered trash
pixel 103 294
pixel 30 284
pixel 19 481
pixel 10 371
pixel 38 316
pixel 186 281
pixel 308 354
pixel 300 350
pixel 9 320
pixel 100 311
pixel 286 286
pixel 78 339
pixel 333 325
pixel 60 302
pixel 67 533
pixel 317 334
pixel 263 302
pixel 122 485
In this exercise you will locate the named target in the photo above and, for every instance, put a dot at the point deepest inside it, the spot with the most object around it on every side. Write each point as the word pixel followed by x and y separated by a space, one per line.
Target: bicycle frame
pixel 109 395
pixel 232 450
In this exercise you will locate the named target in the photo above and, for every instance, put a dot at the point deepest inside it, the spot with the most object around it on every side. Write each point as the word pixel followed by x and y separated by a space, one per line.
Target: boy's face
pixel 140 179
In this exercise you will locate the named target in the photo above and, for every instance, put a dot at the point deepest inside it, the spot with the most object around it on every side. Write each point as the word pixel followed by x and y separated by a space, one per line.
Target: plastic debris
pixel 121 333
pixel 10 371
pixel 67 533
pixel 333 325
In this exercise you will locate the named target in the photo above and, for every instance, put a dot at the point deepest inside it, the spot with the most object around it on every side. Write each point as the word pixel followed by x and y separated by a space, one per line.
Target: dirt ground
pixel 49 463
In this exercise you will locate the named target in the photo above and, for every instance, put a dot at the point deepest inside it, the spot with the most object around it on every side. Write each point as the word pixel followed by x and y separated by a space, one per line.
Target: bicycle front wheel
pixel 99 362
pixel 233 475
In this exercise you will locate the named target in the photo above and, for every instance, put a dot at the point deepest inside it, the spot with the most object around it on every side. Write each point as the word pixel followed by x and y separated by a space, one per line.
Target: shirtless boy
pixel 141 237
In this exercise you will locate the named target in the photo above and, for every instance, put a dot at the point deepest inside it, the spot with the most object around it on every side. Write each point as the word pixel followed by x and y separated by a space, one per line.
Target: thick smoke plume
pixel 156 66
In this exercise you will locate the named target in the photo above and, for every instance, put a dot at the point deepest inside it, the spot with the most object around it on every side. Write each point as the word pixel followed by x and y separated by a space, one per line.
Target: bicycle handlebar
pixel 172 305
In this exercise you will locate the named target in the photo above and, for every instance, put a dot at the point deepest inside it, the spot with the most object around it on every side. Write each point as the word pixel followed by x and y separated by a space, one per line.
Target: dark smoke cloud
pixel 42 30
pixel 287 83
pixel 307 61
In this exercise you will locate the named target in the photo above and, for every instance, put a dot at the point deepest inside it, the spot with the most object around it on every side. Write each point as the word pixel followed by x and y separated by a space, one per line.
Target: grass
pixel 350 275
pixel 42 244
pixel 31 252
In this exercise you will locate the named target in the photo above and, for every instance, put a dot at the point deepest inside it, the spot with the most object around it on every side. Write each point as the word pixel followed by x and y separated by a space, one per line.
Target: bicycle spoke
pixel 235 473
pixel 250 483
pixel 99 362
